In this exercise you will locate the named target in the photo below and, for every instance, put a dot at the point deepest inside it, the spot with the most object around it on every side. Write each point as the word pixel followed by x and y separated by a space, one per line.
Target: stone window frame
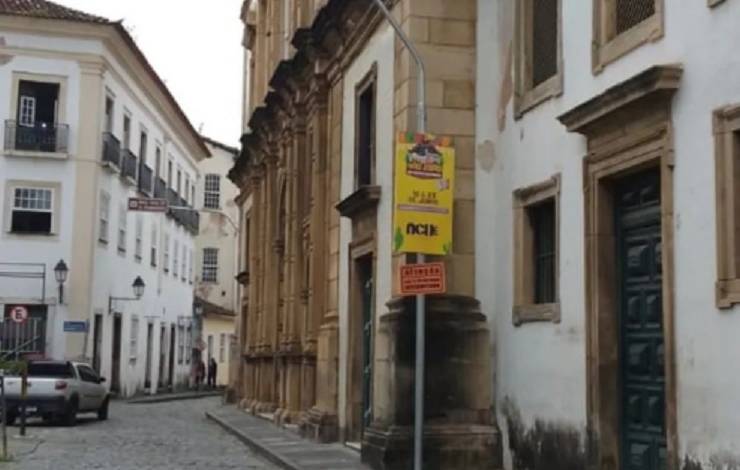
pixel 726 130
pixel 369 81
pixel 527 97
pixel 56 208
pixel 608 45
pixel 524 309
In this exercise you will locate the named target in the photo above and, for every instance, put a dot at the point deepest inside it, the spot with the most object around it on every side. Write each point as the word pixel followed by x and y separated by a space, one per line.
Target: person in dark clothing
pixel 200 373
pixel 212 370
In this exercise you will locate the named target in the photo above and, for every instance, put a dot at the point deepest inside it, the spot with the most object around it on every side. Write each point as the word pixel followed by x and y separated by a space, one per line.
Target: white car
pixel 58 390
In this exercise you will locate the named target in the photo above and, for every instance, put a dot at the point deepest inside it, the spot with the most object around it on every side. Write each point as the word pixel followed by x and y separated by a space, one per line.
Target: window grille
pixel 104 217
pixel 210 265
pixel 630 13
pixel 542 217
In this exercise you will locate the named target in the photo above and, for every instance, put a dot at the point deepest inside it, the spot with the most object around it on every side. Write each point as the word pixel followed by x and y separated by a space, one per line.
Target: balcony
pixel 111 151
pixel 128 165
pixel 41 137
pixel 160 188
pixel 145 179
pixel 172 197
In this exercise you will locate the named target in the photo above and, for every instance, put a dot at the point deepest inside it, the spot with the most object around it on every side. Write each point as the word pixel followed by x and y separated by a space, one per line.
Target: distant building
pixel 216 288
pixel 88 125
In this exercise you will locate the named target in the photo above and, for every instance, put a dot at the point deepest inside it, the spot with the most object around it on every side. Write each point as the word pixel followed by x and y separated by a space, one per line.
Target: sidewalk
pixel 164 397
pixel 282 447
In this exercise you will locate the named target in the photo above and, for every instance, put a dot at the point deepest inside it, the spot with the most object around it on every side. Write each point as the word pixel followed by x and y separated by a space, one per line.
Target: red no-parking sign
pixel 19 314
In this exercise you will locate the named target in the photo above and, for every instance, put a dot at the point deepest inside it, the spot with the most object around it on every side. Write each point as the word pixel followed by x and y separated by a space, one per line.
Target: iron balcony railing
pixel 160 188
pixel 111 150
pixel 40 137
pixel 128 164
pixel 145 179
pixel 172 197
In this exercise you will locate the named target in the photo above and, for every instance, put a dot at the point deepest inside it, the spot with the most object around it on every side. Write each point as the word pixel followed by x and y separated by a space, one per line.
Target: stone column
pixel 460 429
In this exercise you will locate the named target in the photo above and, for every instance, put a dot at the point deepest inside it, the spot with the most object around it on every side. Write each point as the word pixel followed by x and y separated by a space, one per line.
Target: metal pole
pixel 24 396
pixel 421 127
pixel 4 415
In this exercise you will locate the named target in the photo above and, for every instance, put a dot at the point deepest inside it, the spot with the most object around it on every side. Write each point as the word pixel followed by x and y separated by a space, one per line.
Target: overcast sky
pixel 195 46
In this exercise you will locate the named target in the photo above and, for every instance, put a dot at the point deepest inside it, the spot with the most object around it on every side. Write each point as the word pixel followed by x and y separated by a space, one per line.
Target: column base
pixel 320 426
pixel 446 447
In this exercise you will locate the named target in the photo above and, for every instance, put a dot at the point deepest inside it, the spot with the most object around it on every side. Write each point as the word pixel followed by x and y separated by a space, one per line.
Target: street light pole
pixel 421 127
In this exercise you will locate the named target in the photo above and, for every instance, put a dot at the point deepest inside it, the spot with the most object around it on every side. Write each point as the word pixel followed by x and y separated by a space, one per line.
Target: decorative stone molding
pixel 359 202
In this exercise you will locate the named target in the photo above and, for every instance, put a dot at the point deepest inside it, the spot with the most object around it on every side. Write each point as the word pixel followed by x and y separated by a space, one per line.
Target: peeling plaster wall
pixel 541 366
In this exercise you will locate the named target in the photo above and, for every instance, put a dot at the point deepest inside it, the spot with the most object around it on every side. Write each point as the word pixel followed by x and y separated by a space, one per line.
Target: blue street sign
pixel 75 326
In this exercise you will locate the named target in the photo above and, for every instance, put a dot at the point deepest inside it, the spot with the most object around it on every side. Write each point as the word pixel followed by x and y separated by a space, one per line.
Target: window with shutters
pixel 155 243
pixel 175 251
pixel 212 192
pixel 210 265
pixel 180 344
pixel 623 25
pixel 536 222
pixel 184 267
pixel 134 338
pixel 139 240
pixel 222 347
pixel 122 228
pixel 166 253
pixel 538 67
pixel 104 223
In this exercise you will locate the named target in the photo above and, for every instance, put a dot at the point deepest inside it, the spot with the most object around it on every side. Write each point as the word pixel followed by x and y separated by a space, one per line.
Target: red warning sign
pixel 428 278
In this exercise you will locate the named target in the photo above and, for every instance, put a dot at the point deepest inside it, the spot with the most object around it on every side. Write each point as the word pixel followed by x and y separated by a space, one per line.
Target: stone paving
pixel 165 436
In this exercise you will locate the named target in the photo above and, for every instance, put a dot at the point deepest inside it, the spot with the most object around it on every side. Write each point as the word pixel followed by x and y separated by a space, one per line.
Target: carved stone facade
pixel 324 337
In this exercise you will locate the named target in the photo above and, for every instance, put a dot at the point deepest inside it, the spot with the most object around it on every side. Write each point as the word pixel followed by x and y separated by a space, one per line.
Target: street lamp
pixel 138 287
pixel 60 273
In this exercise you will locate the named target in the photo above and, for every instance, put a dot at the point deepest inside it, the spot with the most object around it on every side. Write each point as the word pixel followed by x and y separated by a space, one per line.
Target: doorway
pixel 97 341
pixel 115 379
pixel 171 378
pixel 148 366
pixel 361 325
pixel 642 385
pixel 162 353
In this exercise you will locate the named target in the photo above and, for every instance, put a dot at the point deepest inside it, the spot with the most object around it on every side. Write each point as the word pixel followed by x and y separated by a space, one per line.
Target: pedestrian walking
pixel 200 373
pixel 212 370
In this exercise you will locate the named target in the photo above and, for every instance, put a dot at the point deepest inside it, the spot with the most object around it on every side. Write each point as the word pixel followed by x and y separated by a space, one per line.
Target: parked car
pixel 58 390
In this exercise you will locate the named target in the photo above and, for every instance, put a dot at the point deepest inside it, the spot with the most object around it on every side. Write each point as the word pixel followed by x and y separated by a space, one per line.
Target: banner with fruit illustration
pixel 424 184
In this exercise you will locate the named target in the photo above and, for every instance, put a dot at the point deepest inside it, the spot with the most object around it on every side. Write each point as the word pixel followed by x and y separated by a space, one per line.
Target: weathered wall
pixel 540 368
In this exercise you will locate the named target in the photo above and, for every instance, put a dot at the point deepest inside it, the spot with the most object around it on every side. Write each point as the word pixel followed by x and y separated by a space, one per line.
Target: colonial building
pixel 216 261
pixel 326 342
pixel 606 230
pixel 87 124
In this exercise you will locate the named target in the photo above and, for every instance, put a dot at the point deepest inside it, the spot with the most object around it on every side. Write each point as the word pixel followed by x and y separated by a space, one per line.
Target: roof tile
pixel 46 9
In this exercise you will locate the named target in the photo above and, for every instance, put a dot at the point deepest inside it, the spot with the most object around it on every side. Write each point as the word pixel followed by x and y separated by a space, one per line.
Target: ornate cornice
pixel 364 199
pixel 657 81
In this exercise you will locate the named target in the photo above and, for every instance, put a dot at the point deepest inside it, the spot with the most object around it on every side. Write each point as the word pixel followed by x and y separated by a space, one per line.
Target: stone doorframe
pixel 628 129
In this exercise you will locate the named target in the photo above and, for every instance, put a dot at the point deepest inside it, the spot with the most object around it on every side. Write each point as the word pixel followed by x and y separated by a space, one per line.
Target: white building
pixel 87 125
pixel 217 256
pixel 606 234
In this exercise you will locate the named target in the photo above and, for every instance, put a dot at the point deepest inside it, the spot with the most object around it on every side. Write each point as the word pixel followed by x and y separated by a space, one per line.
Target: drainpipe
pixel 421 127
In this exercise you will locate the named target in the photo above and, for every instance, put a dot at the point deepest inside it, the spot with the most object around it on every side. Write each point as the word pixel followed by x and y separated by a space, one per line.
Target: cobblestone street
pixel 173 435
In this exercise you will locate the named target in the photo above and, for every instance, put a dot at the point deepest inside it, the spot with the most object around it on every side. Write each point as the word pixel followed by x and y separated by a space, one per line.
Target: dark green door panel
pixel 642 373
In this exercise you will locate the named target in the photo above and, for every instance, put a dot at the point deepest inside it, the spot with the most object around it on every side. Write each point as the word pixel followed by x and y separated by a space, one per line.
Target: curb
pixel 258 448
pixel 162 399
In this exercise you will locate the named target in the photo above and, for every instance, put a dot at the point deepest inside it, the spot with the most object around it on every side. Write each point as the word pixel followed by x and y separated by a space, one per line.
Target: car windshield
pixel 50 369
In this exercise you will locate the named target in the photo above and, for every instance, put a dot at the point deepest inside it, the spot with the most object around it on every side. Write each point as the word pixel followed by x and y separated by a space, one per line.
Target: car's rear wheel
pixel 70 415
pixel 103 411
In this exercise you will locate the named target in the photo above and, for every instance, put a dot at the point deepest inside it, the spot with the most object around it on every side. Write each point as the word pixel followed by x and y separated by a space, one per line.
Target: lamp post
pixel 60 273
pixel 138 287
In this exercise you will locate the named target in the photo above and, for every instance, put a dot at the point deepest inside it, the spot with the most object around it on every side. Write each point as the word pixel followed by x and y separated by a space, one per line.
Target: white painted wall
pixel 167 300
pixel 542 366
pixel 379 50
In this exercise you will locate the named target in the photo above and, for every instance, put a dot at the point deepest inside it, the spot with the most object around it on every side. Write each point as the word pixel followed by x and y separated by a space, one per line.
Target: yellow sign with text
pixel 424 184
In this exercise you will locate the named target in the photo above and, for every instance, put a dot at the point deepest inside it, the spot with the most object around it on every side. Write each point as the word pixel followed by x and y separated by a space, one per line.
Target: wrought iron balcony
pixel 160 188
pixel 40 137
pixel 128 164
pixel 111 150
pixel 145 179
pixel 172 197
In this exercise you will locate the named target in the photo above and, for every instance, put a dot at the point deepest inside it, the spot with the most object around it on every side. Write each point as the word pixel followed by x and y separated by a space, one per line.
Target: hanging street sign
pixel 146 204
pixel 421 279
pixel 19 314
pixel 424 188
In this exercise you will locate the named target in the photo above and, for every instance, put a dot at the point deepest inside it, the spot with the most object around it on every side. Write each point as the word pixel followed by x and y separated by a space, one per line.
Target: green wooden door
pixel 367 342
pixel 642 371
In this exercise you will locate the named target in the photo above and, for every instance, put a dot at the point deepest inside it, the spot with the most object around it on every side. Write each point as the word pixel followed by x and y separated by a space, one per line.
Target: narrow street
pixel 173 435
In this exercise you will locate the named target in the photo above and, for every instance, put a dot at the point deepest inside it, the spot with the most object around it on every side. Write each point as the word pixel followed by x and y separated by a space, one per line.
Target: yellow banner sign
pixel 422 211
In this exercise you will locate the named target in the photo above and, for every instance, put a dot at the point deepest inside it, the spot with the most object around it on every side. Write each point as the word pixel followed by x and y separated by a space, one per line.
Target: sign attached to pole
pixel 421 279
pixel 19 314
pixel 424 186
pixel 145 204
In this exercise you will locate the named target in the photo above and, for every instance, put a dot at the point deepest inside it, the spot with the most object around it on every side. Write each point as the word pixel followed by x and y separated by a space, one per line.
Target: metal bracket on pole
pixel 421 127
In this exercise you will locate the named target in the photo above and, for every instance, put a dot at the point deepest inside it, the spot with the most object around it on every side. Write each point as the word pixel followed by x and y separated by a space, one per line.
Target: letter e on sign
pixel 19 314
